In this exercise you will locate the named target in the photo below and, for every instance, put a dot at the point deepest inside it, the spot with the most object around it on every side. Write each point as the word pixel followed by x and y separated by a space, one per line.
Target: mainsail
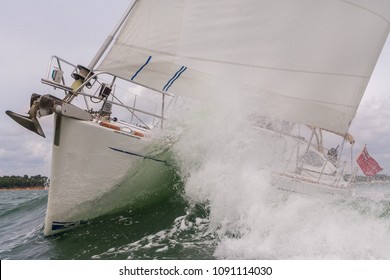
pixel 308 61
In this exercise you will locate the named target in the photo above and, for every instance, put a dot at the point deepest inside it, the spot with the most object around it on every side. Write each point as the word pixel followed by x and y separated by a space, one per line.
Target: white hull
pixel 304 185
pixel 89 162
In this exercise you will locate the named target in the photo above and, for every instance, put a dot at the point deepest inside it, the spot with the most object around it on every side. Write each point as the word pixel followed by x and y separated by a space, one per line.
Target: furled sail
pixel 308 61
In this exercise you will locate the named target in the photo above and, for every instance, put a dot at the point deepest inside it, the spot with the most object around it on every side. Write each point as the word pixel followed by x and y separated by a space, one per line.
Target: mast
pixel 86 72
pixel 110 37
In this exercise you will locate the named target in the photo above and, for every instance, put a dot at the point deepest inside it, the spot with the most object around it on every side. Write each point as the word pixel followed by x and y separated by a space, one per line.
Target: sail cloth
pixel 306 61
pixel 367 164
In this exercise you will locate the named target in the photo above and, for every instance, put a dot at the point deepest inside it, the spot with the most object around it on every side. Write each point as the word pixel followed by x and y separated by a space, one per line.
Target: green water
pixel 285 226
pixel 153 229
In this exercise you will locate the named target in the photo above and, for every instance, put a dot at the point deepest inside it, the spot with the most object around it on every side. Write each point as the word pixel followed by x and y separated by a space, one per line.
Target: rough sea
pixel 250 225
pixel 221 206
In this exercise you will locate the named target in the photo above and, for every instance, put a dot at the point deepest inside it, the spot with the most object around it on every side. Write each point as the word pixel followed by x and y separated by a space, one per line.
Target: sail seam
pixel 366 9
pixel 142 67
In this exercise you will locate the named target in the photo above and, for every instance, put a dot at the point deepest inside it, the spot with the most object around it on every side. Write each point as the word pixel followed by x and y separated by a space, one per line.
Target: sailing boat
pixel 306 63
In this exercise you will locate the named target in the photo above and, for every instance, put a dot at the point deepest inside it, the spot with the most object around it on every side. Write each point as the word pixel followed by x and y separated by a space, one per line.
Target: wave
pixel 225 163
pixel 188 237
pixel 22 214
pixel 219 204
pixel 20 201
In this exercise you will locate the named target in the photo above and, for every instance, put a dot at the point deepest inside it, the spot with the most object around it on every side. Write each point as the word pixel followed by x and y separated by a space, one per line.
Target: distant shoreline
pixel 22 188
pixel 37 182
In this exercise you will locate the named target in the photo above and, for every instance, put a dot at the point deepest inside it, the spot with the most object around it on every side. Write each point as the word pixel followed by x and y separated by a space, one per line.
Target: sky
pixel 32 31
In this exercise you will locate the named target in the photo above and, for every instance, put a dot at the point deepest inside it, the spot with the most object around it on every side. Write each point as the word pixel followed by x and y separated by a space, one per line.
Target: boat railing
pixel 55 77
pixel 58 60
pixel 319 174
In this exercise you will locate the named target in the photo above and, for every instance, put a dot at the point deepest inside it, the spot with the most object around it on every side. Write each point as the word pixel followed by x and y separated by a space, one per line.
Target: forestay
pixel 308 61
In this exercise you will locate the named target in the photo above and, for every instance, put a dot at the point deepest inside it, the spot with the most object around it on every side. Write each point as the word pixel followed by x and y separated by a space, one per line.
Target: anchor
pixel 30 121
pixel 44 105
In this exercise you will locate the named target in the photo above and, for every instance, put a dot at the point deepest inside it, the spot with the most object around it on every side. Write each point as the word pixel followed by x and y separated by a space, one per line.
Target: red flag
pixel 367 164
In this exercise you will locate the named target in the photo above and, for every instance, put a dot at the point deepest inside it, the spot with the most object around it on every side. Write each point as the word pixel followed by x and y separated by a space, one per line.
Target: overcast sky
pixel 32 31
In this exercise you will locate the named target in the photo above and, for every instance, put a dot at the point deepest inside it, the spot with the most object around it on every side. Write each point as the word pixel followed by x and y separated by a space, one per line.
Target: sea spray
pixel 306 228
pixel 223 205
pixel 226 164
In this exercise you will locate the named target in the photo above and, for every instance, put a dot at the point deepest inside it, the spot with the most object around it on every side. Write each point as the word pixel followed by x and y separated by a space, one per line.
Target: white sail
pixel 309 61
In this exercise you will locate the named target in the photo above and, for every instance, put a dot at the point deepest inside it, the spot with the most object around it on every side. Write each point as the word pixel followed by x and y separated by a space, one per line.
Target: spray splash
pixel 225 162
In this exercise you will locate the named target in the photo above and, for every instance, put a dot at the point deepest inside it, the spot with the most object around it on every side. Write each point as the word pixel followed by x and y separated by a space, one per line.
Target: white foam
pixel 225 162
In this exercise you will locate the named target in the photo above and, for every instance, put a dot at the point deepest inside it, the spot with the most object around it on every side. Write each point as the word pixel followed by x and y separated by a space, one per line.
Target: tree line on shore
pixel 376 178
pixel 12 182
